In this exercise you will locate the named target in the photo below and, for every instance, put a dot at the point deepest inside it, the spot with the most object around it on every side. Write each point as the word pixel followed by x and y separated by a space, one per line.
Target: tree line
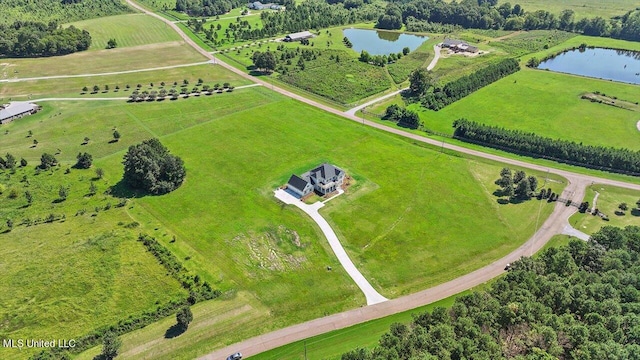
pixel 489 15
pixel 401 116
pixel 36 39
pixel 618 160
pixel 465 85
pixel 578 301
pixel 207 7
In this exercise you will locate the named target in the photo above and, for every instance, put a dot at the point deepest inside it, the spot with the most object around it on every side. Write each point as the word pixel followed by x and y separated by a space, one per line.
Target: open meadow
pixel 65 277
pixel 127 30
pixel 236 236
pixel 582 8
pixel 609 198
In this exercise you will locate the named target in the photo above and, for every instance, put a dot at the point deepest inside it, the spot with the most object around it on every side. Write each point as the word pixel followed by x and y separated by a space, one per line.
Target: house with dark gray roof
pixel 16 110
pixel 324 179
pixel 459 46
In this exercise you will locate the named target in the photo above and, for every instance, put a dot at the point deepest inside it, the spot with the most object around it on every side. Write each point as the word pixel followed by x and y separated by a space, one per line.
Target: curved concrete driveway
pixel 372 296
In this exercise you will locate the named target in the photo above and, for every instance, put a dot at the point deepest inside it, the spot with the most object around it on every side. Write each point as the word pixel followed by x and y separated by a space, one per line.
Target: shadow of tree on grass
pixel 174 331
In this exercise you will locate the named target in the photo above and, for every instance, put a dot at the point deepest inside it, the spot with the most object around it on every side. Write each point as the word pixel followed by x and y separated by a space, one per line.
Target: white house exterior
pixel 298 36
pixel 324 179
pixel 16 110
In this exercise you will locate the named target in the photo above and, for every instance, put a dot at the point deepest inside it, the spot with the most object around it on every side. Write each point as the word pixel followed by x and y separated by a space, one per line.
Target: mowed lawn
pixel 128 30
pixel 608 200
pixel 549 105
pixel 72 87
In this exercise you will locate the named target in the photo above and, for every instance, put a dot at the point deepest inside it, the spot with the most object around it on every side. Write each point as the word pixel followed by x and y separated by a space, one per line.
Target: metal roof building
pixel 15 110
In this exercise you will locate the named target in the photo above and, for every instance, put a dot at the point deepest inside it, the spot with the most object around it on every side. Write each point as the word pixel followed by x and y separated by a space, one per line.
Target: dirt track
pixel 575 190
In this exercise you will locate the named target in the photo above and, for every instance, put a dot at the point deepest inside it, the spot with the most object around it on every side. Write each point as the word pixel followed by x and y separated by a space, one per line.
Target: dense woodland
pixel 208 7
pixel 580 301
pixel 62 11
pixel 596 157
pixel 33 39
pixel 483 14
pixel 463 86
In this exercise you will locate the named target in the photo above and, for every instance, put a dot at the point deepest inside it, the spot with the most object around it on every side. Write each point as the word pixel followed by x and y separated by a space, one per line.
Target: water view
pixel 617 65
pixel 377 42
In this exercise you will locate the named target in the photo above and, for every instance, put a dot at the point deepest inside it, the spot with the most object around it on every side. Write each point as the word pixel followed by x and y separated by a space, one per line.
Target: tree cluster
pixel 618 160
pixel 9 162
pixel 84 160
pixel 465 85
pixel 579 301
pixel 47 161
pixel 264 61
pixel 207 7
pixel 35 39
pixel 150 167
pixel 517 185
pixel 381 60
pixel 401 116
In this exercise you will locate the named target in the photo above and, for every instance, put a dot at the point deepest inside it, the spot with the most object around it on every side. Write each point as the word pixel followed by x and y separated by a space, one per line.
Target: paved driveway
pixel 372 296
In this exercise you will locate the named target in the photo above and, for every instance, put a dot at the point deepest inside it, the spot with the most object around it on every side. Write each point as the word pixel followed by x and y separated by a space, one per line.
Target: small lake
pixel 377 42
pixel 609 64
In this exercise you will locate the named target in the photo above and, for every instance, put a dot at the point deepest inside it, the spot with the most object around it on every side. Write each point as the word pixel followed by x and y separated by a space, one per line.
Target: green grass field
pixel 547 104
pixel 608 200
pixel 72 87
pixel 582 8
pixel 101 61
pixel 128 30
pixel 237 236
pixel 66 278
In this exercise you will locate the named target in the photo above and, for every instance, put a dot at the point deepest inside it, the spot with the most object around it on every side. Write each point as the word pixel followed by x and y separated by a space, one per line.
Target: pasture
pixel 582 8
pixel 65 278
pixel 608 200
pixel 547 104
pixel 237 236
pixel 72 87
pixel 102 61
pixel 128 30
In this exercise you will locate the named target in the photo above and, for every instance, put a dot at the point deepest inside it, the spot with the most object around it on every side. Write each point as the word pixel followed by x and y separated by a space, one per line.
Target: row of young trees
pixel 618 160
pixel 579 301
pixel 517 185
pixel 461 87
pixel 34 39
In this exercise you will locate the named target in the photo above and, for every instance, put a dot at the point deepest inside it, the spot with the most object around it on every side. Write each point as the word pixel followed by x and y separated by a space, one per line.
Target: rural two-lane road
pixel 575 190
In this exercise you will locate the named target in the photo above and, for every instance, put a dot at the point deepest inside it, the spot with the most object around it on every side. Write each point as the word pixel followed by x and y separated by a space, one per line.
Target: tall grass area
pixel 582 8
pixel 53 10
pixel 608 200
pixel 65 278
pixel 127 30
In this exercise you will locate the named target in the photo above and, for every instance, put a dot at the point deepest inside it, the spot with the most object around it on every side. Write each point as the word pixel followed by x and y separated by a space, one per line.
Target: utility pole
pixel 305 349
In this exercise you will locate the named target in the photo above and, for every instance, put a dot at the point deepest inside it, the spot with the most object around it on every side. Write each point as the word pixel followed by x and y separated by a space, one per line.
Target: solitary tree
pixel 110 346
pixel 29 197
pixel 184 317
pixel 63 192
pixel 23 162
pixel 623 207
pixel 638 204
pixel 10 224
pixel 116 135
pixel 84 160
pixel 99 173
pixel 93 189
pixel 35 142
pixel 47 161
pixel 10 162
pixel 86 140
pixel 85 89
pixel 96 88
pixel 29 133
pixel 112 44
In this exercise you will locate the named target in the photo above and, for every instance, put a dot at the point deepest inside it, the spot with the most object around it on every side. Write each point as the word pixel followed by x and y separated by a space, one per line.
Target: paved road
pixel 103 74
pixel 372 296
pixel 571 231
pixel 553 225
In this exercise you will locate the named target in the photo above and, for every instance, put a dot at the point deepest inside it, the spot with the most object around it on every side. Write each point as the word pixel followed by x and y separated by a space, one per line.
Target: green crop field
pixel 608 200
pixel 128 30
pixel 72 87
pixel 101 61
pixel 65 278
pixel 548 104
pixel 237 236
pixel 582 8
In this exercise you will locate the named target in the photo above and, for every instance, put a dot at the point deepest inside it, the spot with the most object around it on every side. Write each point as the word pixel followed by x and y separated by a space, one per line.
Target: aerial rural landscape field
pixel 315 179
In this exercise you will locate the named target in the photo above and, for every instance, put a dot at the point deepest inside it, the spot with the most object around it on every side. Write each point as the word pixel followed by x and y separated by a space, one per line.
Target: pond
pixel 377 42
pixel 609 64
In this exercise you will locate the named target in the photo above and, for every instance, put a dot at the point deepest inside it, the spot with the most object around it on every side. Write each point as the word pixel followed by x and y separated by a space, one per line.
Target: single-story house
pixel 324 179
pixel 16 110
pixel 459 46
pixel 298 36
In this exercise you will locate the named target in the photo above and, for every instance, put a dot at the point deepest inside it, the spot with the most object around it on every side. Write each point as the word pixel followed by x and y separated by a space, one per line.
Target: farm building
pixel 16 110
pixel 459 46
pixel 324 179
pixel 298 36
pixel 257 5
